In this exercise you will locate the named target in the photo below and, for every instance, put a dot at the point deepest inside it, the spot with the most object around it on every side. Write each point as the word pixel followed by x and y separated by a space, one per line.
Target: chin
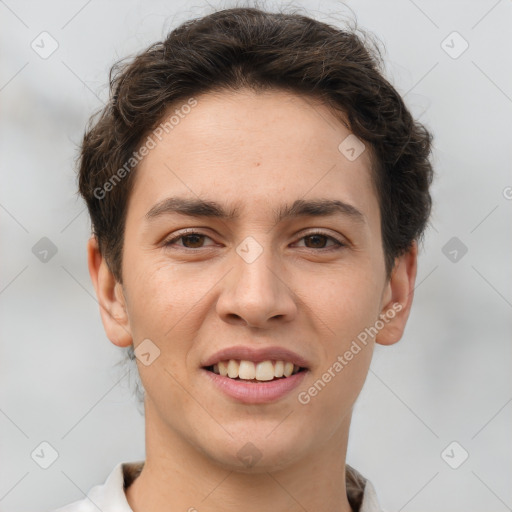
pixel 258 453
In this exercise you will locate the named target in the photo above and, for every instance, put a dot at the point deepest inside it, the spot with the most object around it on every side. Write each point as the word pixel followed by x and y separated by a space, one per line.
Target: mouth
pixel 253 383
pixel 256 372
pixel 251 375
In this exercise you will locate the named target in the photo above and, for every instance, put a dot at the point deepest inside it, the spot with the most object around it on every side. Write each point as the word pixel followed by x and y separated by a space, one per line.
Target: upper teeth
pixel 247 370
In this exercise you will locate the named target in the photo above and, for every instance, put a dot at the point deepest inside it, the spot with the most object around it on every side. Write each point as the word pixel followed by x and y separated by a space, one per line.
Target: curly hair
pixel 239 48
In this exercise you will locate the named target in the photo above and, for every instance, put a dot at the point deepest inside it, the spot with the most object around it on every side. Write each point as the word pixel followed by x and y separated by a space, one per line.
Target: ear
pixel 397 297
pixel 110 297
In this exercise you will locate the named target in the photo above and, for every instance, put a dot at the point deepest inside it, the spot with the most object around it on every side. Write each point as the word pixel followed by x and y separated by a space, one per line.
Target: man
pixel 257 190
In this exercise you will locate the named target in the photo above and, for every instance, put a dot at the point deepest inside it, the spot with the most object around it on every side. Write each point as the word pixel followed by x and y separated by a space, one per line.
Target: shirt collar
pixel 111 495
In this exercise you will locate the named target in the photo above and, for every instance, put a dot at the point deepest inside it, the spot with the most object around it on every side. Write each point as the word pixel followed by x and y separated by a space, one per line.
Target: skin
pixel 258 151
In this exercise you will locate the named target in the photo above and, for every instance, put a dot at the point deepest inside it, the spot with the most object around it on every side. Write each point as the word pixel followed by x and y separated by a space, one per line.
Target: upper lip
pixel 255 355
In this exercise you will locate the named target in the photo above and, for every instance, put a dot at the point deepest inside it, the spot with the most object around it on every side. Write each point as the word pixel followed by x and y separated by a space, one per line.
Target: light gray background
pixel 449 379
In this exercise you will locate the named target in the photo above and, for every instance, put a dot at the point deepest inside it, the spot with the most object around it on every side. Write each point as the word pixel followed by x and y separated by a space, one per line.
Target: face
pixel 268 283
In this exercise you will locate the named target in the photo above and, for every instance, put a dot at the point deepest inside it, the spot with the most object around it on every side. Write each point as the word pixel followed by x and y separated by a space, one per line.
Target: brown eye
pixel 191 240
pixel 195 241
pixel 320 240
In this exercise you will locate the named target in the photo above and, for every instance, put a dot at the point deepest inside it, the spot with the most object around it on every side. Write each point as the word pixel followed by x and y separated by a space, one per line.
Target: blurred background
pixel 431 428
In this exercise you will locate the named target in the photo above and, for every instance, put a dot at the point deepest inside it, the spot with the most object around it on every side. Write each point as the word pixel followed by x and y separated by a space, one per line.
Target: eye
pixel 318 239
pixel 195 240
pixel 190 240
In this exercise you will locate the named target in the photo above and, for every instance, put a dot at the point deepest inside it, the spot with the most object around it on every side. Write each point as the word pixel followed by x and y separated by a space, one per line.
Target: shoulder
pixel 360 492
pixel 77 506
pixel 109 496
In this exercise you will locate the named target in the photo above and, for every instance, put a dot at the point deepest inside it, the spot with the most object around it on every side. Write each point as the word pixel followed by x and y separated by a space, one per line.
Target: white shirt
pixel 111 497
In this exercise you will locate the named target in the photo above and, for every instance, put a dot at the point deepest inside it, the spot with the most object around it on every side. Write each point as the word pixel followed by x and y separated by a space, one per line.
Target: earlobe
pixel 110 297
pixel 398 296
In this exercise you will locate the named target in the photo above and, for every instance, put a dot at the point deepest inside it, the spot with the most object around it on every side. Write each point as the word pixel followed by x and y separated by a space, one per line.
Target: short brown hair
pixel 248 47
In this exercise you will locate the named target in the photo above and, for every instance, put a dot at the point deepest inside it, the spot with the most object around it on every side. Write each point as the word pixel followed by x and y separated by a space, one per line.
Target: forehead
pixel 256 148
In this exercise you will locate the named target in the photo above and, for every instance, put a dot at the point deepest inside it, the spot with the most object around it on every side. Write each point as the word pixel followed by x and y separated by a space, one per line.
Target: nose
pixel 257 294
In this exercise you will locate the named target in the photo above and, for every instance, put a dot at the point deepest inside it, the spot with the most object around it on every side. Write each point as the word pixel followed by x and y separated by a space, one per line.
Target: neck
pixel 177 476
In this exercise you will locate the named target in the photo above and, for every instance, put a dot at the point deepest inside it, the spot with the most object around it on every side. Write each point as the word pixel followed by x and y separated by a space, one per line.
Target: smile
pixel 254 383
pixel 262 371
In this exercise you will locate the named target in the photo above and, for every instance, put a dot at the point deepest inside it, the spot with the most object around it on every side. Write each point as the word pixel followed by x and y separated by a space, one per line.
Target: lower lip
pixel 256 392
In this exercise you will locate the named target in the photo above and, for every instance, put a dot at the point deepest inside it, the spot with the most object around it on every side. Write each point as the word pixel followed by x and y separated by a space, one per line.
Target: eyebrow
pixel 212 209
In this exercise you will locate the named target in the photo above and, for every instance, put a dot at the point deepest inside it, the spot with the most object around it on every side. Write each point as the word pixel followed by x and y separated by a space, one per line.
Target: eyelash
pixel 339 243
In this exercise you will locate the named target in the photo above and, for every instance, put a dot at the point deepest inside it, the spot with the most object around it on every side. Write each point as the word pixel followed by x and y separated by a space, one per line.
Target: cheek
pixel 163 295
pixel 163 307
pixel 344 304
pixel 344 307
pixel 333 389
